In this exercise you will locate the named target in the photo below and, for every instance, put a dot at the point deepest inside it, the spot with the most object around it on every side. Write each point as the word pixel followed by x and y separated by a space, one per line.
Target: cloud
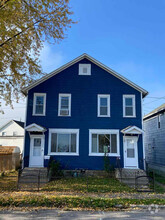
pixel 50 59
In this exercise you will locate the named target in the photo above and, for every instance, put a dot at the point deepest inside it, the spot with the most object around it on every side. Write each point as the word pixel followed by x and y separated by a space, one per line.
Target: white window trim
pixel 98 105
pixel 34 104
pixel 64 131
pixel 81 66
pixel 134 106
pixel 59 103
pixel 158 122
pixel 104 131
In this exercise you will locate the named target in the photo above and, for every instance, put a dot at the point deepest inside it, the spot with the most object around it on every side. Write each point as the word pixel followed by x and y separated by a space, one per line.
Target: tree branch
pixel 32 26
pixel 3 5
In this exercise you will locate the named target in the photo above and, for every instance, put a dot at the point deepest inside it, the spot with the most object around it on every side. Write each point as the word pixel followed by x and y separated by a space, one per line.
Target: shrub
pixel 55 170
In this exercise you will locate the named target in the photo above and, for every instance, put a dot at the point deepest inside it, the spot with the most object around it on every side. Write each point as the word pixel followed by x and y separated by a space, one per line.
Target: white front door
pixel 36 151
pixel 130 152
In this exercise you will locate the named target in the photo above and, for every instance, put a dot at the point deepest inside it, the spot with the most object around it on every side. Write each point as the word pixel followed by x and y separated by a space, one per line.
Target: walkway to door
pixel 32 178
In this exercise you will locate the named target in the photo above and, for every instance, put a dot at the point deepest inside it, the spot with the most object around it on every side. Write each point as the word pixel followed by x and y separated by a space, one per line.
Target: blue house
pixel 80 111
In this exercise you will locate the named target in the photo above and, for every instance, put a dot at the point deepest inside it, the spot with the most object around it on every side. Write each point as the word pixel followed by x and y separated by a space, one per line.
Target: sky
pixel 126 35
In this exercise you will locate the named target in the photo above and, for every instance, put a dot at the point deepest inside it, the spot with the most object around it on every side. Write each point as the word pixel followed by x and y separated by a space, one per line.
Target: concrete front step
pixel 129 173
pixel 128 176
pixel 32 178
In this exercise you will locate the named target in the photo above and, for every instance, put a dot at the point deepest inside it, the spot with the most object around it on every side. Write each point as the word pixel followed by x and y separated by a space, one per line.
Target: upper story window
pixel 103 106
pixel 39 104
pixel 64 105
pixel 103 141
pixel 129 106
pixel 3 133
pixel 85 69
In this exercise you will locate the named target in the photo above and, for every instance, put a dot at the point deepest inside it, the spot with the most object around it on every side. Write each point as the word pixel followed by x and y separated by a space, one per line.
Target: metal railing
pixel 31 181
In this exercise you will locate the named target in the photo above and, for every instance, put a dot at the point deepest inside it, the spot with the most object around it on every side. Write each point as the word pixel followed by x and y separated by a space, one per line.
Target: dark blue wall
pixel 84 90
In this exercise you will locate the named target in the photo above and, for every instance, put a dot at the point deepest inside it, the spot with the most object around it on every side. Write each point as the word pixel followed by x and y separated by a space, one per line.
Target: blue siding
pixel 84 91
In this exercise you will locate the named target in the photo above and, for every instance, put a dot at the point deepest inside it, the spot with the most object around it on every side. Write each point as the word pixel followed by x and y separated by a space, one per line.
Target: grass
pixel 72 193
pixel 8 181
pixel 83 185
pixel 159 178
pixel 75 202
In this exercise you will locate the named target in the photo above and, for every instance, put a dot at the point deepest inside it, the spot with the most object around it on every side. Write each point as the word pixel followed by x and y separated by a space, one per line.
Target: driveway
pixel 86 215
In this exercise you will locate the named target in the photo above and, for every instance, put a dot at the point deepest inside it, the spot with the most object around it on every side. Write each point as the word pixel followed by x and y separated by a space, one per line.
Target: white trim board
pixel 99 96
pixel 114 73
pixel 133 105
pixel 104 131
pixel 59 104
pixel 64 131
pixel 44 104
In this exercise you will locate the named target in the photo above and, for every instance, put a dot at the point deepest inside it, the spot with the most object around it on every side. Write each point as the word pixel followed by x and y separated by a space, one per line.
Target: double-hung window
pixel 103 106
pixel 64 105
pixel 39 104
pixel 103 141
pixel 129 106
pixel 63 141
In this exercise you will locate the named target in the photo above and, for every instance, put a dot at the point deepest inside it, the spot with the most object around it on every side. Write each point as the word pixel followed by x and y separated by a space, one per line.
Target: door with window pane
pixel 36 151
pixel 130 152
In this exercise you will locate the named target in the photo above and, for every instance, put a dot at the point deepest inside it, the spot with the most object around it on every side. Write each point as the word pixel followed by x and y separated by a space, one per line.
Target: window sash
pixel 129 108
pixel 71 143
pixel 64 105
pixel 103 106
pixel 39 106
pixel 108 148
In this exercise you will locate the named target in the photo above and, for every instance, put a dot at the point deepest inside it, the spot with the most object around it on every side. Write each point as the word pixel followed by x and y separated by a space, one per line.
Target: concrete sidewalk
pixel 86 215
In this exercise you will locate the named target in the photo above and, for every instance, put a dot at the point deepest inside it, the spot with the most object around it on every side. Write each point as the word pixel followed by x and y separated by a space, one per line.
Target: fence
pixel 157 175
pixel 31 181
pixel 9 158
pixel 9 162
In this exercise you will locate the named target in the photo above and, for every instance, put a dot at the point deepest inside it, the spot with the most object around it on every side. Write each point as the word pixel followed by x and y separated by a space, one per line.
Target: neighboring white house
pixel 12 134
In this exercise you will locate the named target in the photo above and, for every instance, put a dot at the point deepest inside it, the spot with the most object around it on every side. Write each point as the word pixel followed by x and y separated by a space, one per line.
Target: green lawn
pixel 74 202
pixel 160 179
pixel 90 184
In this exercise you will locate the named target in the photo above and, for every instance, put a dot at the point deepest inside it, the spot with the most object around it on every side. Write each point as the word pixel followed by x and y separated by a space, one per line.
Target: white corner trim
pixel 104 131
pixel 59 104
pixel 34 104
pixel 134 105
pixel 64 131
pixel 99 96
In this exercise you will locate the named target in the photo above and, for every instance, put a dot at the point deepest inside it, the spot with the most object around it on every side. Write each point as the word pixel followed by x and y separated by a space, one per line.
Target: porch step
pixel 128 177
pixel 32 178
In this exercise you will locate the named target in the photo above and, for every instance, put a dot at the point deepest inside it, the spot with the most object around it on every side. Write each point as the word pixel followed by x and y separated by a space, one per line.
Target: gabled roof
pixel 20 123
pixel 132 130
pixel 155 112
pixel 35 128
pixel 122 78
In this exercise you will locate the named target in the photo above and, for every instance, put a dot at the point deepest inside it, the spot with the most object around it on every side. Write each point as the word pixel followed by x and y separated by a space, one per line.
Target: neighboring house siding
pixel 154 140
pixel 9 139
pixel 84 91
